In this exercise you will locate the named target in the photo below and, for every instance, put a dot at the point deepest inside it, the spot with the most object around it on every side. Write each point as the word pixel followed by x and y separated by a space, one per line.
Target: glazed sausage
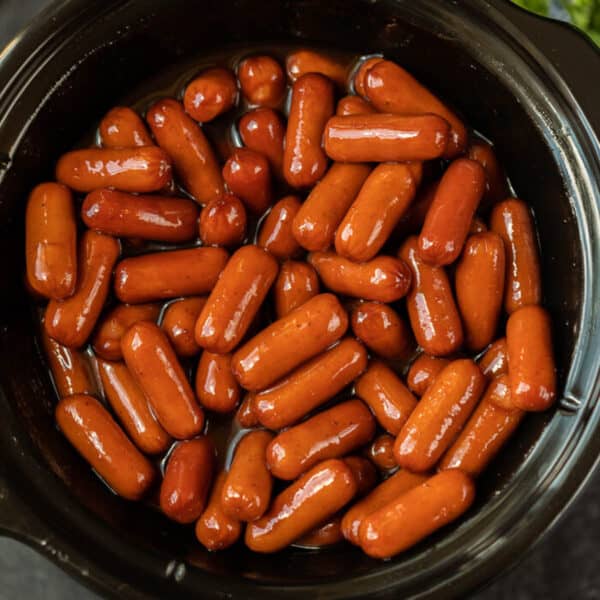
pixel 248 175
pixel 381 452
pixel 223 222
pixel 387 396
pixel 310 385
pixel 304 161
pixel 214 529
pixel 385 137
pixel 330 434
pixel 379 206
pixel 157 371
pixel 275 234
pixel 321 213
pixel 479 283
pixel 391 89
pixel 512 221
pixel 451 212
pixel 499 393
pixel 163 219
pixel 364 473
pixel 296 283
pixel 235 299
pixel 122 127
pixel 106 342
pixel 143 169
pixel 310 500
pixel 324 535
pixel 263 131
pixel 186 144
pixel 393 487
pixel 290 341
pixel 211 94
pixel 71 321
pixel 96 436
pixel 495 186
pixel 495 360
pixel 485 433
pixel 131 407
pixel 439 416
pixel 530 359
pixel 423 371
pixel 416 514
pixel 432 311
pixel 51 241
pixel 247 490
pixel 360 76
pixel 246 415
pixel 262 80
pixel 162 275
pixel 179 321
pixel 383 279
pixel 216 387
pixel 187 480
pixel 301 62
pixel 353 105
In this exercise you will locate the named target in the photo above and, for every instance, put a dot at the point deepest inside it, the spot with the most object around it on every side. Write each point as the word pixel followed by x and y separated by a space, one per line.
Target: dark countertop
pixel 565 565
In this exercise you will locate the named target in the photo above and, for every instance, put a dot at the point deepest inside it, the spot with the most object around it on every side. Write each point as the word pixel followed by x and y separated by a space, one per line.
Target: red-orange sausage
pixel 157 371
pixel 51 241
pixel 364 473
pixel 248 175
pixel 223 222
pixel 96 436
pixel 216 387
pixel 416 514
pixel 301 62
pixel 296 283
pixel 495 188
pixel 71 321
pixel 162 275
pixel 439 416
pixel 451 212
pixel 353 105
pixel 530 359
pixel 143 169
pixel 381 452
pixel 275 234
pixel 330 434
pixel 383 279
pixel 262 80
pixel 187 480
pixel 210 94
pixel 423 372
pixel 310 500
pixel 160 218
pixel 495 360
pixel 304 161
pixel 186 144
pixel 263 131
pixel 179 321
pixel 327 534
pixel 359 80
pixel 290 341
pixel 122 127
pixel 310 385
pixel 235 299
pixel 246 415
pixel 499 392
pixel 432 311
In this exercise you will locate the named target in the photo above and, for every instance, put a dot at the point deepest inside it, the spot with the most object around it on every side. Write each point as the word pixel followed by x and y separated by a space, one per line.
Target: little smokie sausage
pixel 71 321
pixel 51 241
pixel 246 415
pixel 223 222
pixel 187 480
pixel 330 434
pixel 162 275
pixel 530 359
pixel 96 436
pixel 290 341
pixel 353 105
pixel 193 158
pixel 360 76
pixel 304 161
pixel 385 137
pixel 423 371
pixel 495 360
pixel 379 206
pixel 262 80
pixel 157 371
pixel 391 89
pixel 327 534
pixel 479 285
pixel 310 385
pixel 387 396
pixel 296 283
pixel 122 127
pixel 263 131
pixel 416 514
pixel 512 221
pixel 216 387
pixel 246 493
pixel 439 416
pixel 301 62
pixel 179 322
pixel 143 169
pixel 499 392
pixel 160 218
pixel 432 311
pixel 314 497
pixel 235 299
pixel 210 94
pixel 449 217
pixel 321 213
pixel 275 234
pixel 131 407
pixel 364 473
pixel 495 187
pixel 248 175
pixel 383 279
pixel 381 452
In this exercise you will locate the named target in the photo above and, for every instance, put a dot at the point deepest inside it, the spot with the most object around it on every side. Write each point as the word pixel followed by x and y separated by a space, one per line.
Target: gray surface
pixel 565 566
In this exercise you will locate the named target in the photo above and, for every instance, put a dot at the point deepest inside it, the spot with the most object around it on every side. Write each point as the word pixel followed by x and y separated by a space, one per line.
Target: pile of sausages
pixel 305 332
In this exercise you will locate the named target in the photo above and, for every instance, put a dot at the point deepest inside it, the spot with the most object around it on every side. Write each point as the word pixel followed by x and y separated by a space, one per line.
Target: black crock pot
pixel 529 84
